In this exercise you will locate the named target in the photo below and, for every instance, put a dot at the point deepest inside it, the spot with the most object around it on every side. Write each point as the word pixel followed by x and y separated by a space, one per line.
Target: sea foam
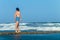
pixel 23 26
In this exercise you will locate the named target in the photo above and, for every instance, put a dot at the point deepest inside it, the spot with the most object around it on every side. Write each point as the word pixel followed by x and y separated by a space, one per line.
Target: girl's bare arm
pixel 20 15
pixel 14 16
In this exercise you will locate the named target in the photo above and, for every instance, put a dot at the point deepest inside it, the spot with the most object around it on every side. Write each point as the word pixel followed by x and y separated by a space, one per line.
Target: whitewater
pixel 31 26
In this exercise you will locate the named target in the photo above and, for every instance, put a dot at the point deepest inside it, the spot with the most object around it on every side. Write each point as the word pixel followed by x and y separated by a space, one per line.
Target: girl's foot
pixel 19 31
pixel 16 31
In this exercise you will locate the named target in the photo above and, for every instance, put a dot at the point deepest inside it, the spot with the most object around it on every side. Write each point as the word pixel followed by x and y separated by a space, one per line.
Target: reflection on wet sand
pixel 17 37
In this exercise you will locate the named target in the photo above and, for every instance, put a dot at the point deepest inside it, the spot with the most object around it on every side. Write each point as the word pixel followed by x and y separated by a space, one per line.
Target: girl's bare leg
pixel 16 27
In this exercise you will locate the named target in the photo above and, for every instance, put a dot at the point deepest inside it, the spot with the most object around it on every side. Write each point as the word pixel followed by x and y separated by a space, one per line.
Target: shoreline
pixel 42 32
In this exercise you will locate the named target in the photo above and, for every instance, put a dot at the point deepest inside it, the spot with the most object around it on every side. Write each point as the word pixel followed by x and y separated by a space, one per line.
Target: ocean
pixel 31 27
pixel 31 37
pixel 34 26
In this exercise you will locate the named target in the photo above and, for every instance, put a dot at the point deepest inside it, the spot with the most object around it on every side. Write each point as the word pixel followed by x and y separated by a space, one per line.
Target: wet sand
pixel 42 32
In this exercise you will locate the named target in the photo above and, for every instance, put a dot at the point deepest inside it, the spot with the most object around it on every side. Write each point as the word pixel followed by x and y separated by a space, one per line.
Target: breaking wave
pixel 32 26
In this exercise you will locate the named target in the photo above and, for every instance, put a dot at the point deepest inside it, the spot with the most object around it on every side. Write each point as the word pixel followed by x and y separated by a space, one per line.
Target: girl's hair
pixel 17 9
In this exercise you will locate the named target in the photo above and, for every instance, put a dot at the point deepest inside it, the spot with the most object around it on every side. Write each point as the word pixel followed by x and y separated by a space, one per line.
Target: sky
pixel 31 10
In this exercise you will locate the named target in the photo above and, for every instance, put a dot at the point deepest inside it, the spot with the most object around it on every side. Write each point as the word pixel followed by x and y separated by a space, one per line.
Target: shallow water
pixel 30 27
pixel 55 36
